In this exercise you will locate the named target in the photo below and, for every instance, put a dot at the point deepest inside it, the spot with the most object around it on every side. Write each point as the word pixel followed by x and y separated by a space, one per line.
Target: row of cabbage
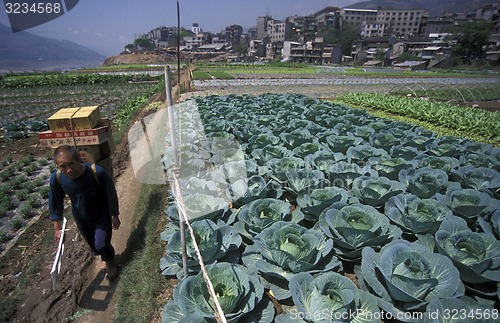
pixel 285 193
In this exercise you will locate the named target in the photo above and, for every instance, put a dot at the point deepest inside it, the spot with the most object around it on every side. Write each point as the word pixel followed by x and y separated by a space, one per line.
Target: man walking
pixel 94 203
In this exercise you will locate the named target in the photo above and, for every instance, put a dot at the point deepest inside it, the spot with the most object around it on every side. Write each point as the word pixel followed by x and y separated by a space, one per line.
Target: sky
pixel 106 26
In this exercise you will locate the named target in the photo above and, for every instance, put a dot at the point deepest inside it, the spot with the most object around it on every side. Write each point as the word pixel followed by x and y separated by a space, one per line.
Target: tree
pixel 144 43
pixel 240 49
pixel 172 40
pixel 130 46
pixel 345 36
pixel 470 40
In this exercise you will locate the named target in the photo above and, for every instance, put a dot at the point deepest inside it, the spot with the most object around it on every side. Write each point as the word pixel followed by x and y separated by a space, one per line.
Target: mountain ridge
pixel 24 51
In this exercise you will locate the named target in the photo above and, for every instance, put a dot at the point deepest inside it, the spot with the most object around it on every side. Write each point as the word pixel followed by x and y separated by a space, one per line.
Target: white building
pixel 372 30
pixel 196 29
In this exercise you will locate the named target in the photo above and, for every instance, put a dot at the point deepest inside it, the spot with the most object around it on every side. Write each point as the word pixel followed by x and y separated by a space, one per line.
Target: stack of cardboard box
pixel 85 129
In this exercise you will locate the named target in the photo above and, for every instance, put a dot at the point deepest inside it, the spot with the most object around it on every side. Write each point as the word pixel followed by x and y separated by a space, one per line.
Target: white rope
pixel 219 314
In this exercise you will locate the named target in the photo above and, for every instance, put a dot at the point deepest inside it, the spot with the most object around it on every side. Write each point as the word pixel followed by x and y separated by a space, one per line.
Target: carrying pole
pixel 175 152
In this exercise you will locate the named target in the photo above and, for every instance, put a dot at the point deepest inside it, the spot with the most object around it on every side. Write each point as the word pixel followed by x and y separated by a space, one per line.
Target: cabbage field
pixel 311 211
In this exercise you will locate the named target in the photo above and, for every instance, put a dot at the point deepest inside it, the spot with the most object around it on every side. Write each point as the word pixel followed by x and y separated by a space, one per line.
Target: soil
pixel 151 58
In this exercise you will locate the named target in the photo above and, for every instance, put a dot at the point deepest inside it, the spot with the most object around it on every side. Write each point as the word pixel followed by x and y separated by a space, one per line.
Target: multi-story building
pixel 297 25
pixel 160 36
pixel 257 48
pixel 197 40
pixel 303 28
pixel 309 52
pixel 278 31
pixel 327 18
pixel 358 17
pixel 372 30
pixel 438 26
pixel 262 26
pixel 274 50
pixel 233 33
pixel 403 23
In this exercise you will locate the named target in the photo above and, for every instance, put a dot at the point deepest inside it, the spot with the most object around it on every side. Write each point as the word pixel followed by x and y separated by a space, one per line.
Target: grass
pixel 141 283
pixel 220 74
pixel 201 75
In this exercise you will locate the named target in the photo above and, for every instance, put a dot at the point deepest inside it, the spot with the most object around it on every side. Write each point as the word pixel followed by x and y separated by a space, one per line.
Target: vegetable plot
pixel 468 120
pixel 24 98
pixel 287 194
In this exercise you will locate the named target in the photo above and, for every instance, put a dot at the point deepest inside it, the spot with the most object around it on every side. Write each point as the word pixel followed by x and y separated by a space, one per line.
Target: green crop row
pixel 32 80
pixel 23 190
pixel 455 93
pixel 468 120
pixel 132 105
pixel 38 103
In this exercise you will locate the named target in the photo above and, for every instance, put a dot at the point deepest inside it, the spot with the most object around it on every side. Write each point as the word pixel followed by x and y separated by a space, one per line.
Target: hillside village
pixel 348 36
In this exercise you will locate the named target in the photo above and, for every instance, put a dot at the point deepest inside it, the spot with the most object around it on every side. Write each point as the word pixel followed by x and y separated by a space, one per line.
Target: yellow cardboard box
pixel 71 119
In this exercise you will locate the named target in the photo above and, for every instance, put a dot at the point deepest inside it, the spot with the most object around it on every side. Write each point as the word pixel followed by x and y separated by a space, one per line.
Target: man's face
pixel 68 166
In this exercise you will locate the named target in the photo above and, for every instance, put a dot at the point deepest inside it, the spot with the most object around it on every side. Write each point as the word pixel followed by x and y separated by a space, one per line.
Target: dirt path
pixel 97 302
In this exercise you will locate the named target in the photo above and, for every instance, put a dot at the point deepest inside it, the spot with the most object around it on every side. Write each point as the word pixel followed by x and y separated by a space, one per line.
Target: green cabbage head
pixel 329 297
pixel 476 255
pixel 469 203
pixel 424 182
pixel 406 276
pixel 319 199
pixel 285 249
pixel 416 216
pixel 239 293
pixel 353 227
pixel 216 243
pixel 260 214
pixel 375 191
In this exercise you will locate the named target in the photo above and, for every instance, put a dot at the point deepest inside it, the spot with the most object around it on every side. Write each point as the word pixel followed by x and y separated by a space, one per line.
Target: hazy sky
pixel 106 26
